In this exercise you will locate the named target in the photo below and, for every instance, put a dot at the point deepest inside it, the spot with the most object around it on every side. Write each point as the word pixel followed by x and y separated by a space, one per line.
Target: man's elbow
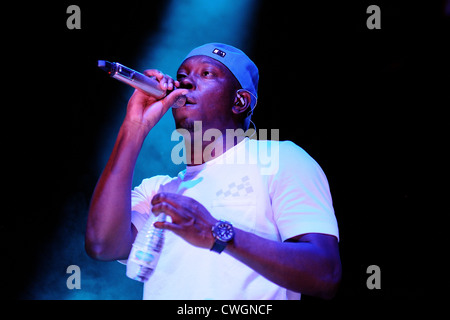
pixel 96 251
pixel 104 252
pixel 323 285
pixel 330 283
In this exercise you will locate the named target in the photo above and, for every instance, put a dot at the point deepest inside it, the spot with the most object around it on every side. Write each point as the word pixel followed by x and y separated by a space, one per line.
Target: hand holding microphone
pixel 137 80
pixel 155 93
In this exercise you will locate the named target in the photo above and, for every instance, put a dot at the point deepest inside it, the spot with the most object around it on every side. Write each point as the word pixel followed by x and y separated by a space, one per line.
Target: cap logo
pixel 219 52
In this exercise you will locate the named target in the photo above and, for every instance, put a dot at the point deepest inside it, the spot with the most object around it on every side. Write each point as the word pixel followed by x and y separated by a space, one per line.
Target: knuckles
pixel 185 207
pixel 161 207
pixel 157 198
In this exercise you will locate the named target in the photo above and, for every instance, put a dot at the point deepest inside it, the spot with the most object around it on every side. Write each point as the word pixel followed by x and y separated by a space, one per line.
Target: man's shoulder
pixel 276 157
pixel 285 145
pixel 286 150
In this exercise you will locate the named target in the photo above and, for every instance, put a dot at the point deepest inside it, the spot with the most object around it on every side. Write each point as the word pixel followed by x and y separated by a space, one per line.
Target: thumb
pixel 175 99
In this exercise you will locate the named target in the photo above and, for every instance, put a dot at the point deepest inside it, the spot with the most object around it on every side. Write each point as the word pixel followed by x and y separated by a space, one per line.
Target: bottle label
pixel 145 258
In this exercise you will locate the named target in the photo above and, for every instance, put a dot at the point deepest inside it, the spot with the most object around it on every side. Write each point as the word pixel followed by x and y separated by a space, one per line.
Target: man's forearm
pixel 109 233
pixel 303 266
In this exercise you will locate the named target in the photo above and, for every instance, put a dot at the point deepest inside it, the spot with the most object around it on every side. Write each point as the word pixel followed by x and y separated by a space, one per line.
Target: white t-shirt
pixel 272 189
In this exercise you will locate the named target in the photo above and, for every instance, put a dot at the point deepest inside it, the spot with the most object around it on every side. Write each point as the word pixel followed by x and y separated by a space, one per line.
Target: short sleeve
pixel 300 195
pixel 141 197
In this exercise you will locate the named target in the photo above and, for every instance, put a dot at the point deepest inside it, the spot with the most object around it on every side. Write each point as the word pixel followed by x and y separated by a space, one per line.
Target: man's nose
pixel 187 83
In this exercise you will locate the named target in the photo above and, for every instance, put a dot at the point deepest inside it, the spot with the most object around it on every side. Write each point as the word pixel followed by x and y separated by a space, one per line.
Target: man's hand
pixel 144 110
pixel 190 219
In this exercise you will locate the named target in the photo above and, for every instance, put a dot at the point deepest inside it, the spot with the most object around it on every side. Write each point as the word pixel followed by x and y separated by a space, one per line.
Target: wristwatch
pixel 223 232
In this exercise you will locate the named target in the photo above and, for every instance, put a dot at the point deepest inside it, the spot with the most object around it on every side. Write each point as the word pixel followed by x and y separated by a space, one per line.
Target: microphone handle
pixel 141 82
pixel 137 80
pixel 133 78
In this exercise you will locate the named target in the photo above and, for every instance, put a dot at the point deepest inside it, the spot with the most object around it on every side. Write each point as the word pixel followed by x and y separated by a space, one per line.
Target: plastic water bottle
pixel 146 250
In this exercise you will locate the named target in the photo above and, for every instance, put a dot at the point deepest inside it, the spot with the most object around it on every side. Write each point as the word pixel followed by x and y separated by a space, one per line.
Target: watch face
pixel 224 231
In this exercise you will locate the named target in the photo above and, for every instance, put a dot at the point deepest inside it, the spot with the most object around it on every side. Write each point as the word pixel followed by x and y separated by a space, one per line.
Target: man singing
pixel 282 234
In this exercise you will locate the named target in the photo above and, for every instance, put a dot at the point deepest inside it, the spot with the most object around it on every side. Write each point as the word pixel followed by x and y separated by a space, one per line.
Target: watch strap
pixel 218 246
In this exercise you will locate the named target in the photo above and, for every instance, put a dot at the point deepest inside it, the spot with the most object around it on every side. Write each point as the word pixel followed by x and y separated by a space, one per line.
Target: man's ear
pixel 241 101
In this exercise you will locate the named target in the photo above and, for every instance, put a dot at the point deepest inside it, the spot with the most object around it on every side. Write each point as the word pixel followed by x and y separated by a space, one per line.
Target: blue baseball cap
pixel 236 61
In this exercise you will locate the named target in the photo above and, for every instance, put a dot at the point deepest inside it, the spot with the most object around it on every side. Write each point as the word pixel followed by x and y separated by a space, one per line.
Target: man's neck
pixel 203 146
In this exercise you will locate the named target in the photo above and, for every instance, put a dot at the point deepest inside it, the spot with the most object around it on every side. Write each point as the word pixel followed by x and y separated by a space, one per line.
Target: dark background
pixel 368 105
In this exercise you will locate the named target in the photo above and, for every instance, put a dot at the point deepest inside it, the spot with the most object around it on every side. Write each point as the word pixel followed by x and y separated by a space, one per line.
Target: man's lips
pixel 189 101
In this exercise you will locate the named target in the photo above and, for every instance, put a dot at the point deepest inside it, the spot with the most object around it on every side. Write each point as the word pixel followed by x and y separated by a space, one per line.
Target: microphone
pixel 137 80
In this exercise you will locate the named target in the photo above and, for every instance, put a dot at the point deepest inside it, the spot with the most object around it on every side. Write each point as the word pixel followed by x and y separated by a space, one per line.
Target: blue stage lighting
pixel 186 25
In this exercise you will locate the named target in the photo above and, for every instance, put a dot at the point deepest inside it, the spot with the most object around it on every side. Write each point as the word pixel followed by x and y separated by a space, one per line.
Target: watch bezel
pixel 219 228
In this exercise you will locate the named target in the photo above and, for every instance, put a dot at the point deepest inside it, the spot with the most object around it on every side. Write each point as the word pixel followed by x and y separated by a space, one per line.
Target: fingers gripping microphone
pixel 137 80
